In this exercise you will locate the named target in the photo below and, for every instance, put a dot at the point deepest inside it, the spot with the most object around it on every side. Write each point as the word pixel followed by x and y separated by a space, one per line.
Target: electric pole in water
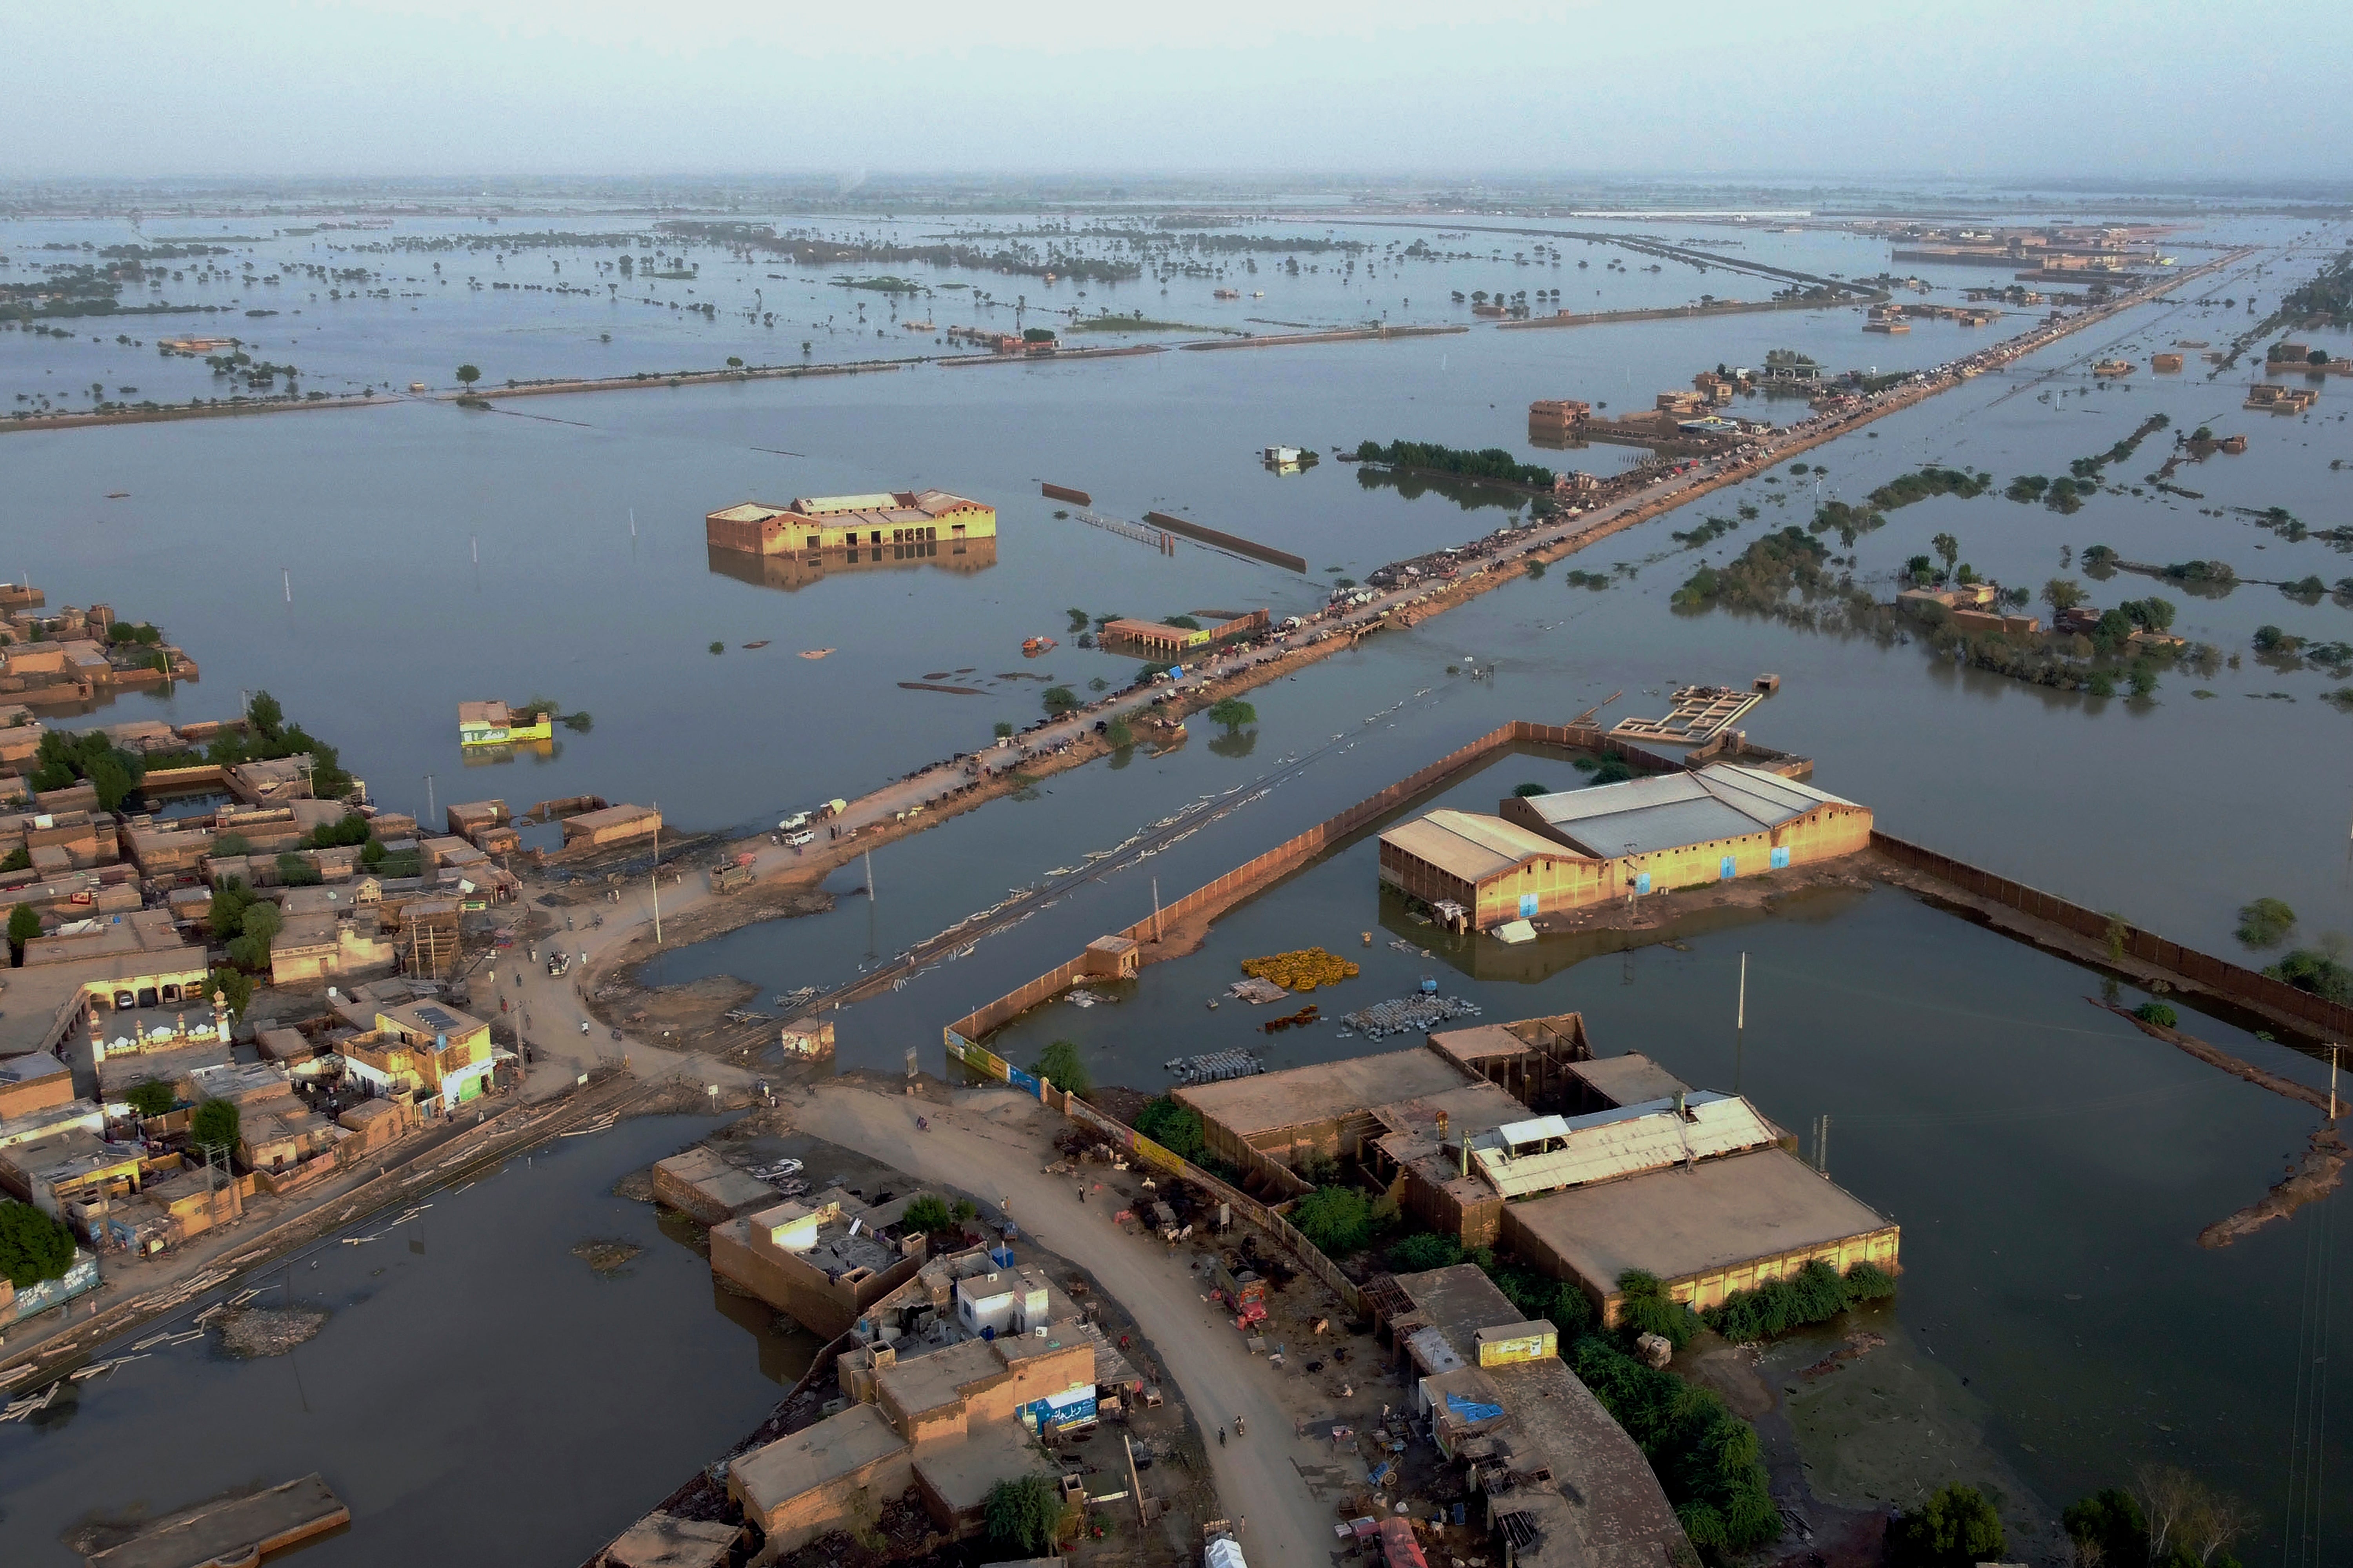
pixel 1740 1026
pixel 655 877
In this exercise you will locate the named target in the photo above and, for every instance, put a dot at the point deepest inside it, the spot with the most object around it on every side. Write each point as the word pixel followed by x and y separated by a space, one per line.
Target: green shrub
pixel 1813 1293
pixel 1336 1219
pixel 2321 973
pixel 1705 1457
pixel 2157 1013
pixel 1646 1309
pixel 153 1098
pixel 2265 922
pixel 928 1214
pixel 1423 1251
pixel 1176 1128
pixel 1957 1528
pixel 1025 1515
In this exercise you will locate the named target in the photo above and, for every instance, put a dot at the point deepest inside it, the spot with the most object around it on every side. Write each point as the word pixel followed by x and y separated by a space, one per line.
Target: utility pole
pixel 2332 1084
pixel 655 877
pixel 869 877
pixel 1823 1148
pixel 1740 1026
pixel 1155 908
pixel 427 826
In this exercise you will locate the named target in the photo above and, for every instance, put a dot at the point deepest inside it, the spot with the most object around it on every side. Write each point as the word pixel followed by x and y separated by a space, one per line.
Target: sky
pixel 1988 88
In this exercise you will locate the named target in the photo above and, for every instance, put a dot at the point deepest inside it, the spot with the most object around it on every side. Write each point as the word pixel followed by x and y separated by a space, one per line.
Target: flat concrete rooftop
pixel 1628 1079
pixel 1321 1092
pixel 962 1469
pixel 1675 1222
pixel 838 1446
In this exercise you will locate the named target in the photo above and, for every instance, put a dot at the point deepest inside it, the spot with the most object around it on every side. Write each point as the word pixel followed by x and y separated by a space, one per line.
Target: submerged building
pixel 813 527
pixel 1515 1136
pixel 1549 853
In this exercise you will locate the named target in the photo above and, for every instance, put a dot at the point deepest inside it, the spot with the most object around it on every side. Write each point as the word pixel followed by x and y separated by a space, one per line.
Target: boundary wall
pixel 2232 981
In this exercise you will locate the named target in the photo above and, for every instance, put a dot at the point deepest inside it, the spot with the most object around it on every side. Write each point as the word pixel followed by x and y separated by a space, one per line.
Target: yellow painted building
pixel 1549 853
pixel 815 525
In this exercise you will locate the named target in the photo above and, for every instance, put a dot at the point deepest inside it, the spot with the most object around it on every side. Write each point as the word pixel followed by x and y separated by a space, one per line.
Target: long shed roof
pixel 1668 811
pixel 1465 844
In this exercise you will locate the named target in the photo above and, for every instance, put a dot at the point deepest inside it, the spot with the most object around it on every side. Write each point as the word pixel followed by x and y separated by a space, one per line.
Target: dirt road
pixel 990 1146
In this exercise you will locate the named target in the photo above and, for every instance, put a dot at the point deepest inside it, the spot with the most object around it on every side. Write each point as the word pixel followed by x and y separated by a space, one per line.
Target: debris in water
pixel 607 1256
pixel 269 1330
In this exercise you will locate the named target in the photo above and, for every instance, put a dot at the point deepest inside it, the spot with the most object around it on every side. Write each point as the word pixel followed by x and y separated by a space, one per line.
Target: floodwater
pixel 479 1394
pixel 1968 1084
pixel 432 555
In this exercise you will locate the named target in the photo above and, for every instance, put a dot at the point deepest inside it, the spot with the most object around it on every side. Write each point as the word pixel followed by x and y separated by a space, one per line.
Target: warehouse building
pixel 853 525
pixel 1550 853
pixel 1704 1231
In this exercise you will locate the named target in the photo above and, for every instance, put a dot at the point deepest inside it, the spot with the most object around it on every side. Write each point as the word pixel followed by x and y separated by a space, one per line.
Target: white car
pixel 797 820
pixel 803 837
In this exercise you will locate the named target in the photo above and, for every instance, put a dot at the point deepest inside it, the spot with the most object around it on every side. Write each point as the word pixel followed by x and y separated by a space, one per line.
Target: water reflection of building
pixel 803 567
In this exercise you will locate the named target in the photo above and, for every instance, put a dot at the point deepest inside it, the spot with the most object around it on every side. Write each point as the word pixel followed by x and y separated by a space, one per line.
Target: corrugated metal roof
pixel 1667 811
pixel 1573 1151
pixel 1465 844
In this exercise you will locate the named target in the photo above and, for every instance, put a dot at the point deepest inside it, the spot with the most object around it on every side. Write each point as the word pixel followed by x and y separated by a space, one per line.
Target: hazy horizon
pixel 2174 95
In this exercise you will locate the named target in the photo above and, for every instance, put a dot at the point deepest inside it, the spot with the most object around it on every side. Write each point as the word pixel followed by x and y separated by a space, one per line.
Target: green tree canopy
pixel 1233 713
pixel 1424 1250
pixel 1645 1308
pixel 469 374
pixel 1058 699
pixel 33 1246
pixel 1060 1061
pixel 928 1214
pixel 24 925
pixel 1026 1514
pixel 2062 593
pixel 214 1125
pixel 1957 1528
pixel 153 1098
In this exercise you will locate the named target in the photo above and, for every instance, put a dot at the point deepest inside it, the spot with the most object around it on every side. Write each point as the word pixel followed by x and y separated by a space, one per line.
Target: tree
pixel 1060 1061
pixel 214 1125
pixel 1950 548
pixel 1233 713
pixel 24 925
pixel 1058 699
pixel 235 987
pixel 2265 922
pixel 2107 1530
pixel 734 362
pixel 1525 790
pixel 2062 593
pixel 1611 770
pixel 33 1246
pixel 1176 1128
pixel 1025 1514
pixel 928 1214
pixel 1002 729
pixel 153 1098
pixel 1118 733
pixel 1957 1528
pixel 2186 1520
pixel 1336 1219
pixel 469 374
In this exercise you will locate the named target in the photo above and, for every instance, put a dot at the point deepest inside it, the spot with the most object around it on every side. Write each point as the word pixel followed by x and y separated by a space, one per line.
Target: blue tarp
pixel 1472 1409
